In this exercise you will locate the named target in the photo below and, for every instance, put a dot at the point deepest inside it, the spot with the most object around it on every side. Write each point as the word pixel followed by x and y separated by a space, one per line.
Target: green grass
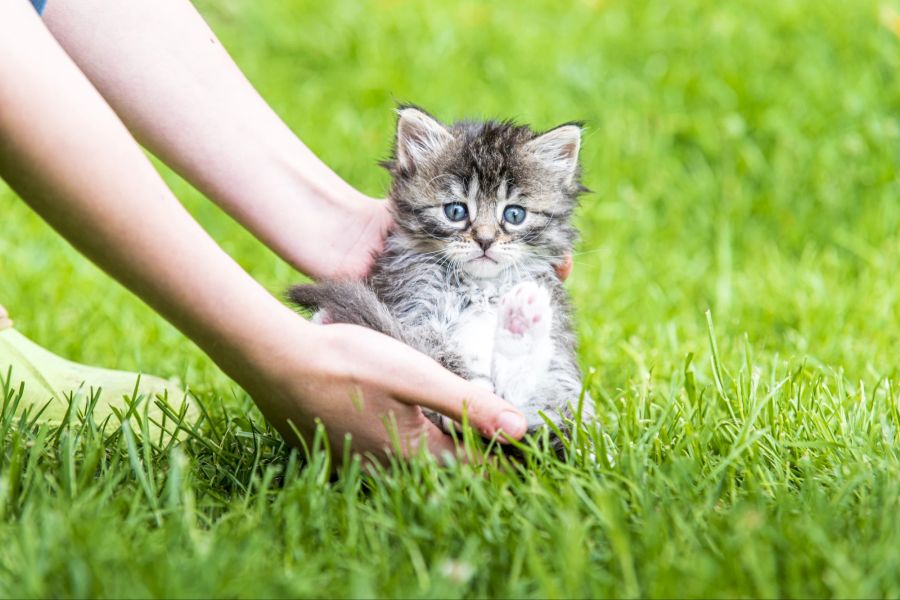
pixel 743 157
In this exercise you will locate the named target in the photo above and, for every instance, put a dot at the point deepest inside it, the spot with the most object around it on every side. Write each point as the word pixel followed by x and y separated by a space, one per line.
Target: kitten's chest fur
pixel 424 291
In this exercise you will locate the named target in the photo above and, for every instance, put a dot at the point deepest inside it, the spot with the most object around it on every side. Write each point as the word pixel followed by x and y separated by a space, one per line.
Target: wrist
pixel 308 216
pixel 339 235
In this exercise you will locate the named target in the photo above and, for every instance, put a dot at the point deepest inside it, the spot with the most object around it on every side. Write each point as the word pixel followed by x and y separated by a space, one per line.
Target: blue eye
pixel 456 211
pixel 513 214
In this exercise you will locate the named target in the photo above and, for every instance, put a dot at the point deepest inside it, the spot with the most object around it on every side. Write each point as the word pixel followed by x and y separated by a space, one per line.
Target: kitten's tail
pixel 347 302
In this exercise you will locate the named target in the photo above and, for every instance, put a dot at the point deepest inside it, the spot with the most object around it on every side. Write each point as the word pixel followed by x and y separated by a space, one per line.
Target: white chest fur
pixel 474 338
pixel 505 341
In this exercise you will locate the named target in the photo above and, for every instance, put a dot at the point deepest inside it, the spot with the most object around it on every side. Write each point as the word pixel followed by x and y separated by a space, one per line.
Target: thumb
pixel 414 378
pixel 452 396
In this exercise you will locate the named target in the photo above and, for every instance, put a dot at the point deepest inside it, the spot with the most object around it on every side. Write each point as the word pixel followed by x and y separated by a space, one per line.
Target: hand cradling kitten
pixel 483 213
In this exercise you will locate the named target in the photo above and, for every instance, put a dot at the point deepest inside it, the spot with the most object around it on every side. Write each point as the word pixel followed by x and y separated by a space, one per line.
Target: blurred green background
pixel 743 159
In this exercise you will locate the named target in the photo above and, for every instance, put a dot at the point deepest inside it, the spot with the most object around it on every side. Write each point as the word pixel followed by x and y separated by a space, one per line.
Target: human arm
pixel 66 153
pixel 164 72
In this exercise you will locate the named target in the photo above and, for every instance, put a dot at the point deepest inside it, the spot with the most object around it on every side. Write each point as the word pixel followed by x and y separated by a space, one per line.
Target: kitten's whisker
pixel 573 254
pixel 588 251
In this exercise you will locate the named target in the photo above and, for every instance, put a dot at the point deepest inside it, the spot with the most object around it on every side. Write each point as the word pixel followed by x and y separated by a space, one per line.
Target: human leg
pixel 5 321
pixel 48 382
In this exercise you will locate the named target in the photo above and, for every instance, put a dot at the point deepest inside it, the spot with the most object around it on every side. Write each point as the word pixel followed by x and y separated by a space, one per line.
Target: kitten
pixel 482 212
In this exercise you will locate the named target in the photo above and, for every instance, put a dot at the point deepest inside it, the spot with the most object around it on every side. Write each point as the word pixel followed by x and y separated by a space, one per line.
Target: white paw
pixel 525 316
pixel 321 318
pixel 522 344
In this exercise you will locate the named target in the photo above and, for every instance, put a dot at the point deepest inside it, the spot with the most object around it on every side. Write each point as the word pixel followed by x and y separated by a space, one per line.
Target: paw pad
pixel 524 308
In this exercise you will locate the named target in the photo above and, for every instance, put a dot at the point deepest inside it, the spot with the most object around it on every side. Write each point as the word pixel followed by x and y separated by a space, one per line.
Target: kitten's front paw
pixel 524 318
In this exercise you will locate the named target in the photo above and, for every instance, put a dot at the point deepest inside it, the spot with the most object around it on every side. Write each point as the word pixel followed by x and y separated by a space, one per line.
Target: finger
pixel 445 449
pixel 427 435
pixel 564 269
pixel 442 446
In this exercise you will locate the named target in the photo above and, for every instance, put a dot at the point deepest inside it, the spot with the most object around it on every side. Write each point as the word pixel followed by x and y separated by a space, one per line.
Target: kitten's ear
pixel 419 136
pixel 557 150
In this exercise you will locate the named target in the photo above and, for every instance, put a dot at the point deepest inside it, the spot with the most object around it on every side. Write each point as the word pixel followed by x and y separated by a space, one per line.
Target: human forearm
pixel 166 75
pixel 93 184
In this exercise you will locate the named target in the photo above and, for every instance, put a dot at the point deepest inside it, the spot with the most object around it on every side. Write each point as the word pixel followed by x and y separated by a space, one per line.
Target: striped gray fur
pixel 426 283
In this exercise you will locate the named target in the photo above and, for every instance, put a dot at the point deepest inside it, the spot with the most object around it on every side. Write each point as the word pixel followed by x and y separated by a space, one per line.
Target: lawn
pixel 738 307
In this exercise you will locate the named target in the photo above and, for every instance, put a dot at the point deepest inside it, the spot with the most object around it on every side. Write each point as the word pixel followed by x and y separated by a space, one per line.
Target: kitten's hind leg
pixel 523 347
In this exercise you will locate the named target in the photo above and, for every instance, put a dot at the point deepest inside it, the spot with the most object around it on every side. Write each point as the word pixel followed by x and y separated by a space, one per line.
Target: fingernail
pixel 512 423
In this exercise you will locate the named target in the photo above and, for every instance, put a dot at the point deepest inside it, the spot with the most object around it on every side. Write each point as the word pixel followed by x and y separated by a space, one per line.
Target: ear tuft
pixel 558 150
pixel 419 137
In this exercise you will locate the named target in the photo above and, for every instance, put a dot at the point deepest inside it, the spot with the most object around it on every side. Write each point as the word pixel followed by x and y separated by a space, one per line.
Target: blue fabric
pixel 39 5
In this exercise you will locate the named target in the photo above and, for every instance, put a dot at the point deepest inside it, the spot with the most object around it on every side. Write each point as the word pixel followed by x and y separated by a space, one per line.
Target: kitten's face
pixel 484 197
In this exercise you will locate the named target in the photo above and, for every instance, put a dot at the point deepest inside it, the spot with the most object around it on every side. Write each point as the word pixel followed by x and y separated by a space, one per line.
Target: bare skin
pixel 165 74
pixel 66 152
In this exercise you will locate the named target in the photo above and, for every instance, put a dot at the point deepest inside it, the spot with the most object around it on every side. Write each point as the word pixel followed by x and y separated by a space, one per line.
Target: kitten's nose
pixel 484 242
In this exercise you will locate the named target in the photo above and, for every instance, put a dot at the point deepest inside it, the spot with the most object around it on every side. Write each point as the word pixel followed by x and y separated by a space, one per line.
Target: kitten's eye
pixel 456 211
pixel 513 214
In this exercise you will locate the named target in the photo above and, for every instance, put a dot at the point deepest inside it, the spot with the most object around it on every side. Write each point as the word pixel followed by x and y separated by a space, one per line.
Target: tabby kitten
pixel 483 212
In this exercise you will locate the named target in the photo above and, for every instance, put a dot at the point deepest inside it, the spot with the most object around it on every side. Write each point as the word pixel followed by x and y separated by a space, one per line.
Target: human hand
pixel 564 269
pixel 355 381
pixel 352 236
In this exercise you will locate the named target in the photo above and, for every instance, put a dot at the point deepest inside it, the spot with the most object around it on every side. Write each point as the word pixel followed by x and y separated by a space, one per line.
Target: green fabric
pixel 50 380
